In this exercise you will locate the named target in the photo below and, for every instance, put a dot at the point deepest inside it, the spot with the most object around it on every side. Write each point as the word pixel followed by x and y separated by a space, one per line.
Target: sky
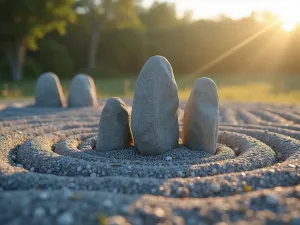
pixel 233 8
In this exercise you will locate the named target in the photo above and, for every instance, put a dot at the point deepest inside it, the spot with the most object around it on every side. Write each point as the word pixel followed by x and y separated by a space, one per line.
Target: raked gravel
pixel 50 172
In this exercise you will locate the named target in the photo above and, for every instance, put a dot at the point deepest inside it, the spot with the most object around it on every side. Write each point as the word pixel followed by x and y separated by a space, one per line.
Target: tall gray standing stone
pixel 154 118
pixel 114 127
pixel 82 92
pixel 201 115
pixel 48 91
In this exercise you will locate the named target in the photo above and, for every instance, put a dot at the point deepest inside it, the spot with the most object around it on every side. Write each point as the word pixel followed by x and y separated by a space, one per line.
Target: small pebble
pixel 125 209
pixel 39 212
pixel 272 200
pixel 44 195
pixel 180 174
pixel 168 158
pixel 116 220
pixel 65 219
pixel 215 188
pixel 93 175
pixel 107 203
pixel 67 193
pixel 159 212
pixel 214 171
pixel 183 192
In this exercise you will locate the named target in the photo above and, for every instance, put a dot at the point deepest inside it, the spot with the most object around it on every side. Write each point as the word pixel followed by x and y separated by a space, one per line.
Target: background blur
pixel 250 48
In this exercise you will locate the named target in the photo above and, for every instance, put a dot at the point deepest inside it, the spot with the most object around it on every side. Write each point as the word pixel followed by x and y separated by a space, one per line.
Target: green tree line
pixel 114 38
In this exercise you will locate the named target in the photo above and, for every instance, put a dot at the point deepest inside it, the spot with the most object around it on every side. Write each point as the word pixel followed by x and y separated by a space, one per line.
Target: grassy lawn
pixel 238 88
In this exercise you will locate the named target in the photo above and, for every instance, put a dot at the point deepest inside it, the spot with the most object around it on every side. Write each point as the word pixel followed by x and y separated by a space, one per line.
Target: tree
pixel 23 22
pixel 104 13
pixel 161 15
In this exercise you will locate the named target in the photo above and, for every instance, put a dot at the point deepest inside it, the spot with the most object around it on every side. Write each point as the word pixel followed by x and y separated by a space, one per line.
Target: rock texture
pixel 200 121
pixel 82 92
pixel 154 112
pixel 48 91
pixel 114 128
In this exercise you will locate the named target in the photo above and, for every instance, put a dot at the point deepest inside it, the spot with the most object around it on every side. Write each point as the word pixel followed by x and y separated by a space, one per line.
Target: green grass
pixel 238 88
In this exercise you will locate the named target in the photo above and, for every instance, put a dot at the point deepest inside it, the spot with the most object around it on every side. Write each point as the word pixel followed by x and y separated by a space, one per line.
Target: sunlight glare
pixel 289 25
pixel 289 17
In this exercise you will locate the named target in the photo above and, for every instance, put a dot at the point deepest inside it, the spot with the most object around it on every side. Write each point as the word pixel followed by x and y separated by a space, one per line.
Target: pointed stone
pixel 201 115
pixel 154 121
pixel 48 91
pixel 82 92
pixel 114 127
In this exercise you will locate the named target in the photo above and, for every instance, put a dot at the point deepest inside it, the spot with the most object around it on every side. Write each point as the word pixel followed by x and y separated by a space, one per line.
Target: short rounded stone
pixel 201 116
pixel 114 127
pixel 48 91
pixel 154 121
pixel 82 92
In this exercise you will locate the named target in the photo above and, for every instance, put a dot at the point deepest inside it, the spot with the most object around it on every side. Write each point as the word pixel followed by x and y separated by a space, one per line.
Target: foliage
pixel 32 20
pixel 53 56
pixel 160 16
pixel 32 69
pixel 129 34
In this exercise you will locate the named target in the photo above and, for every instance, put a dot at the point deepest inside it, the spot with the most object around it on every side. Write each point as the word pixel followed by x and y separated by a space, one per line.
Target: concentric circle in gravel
pixel 50 172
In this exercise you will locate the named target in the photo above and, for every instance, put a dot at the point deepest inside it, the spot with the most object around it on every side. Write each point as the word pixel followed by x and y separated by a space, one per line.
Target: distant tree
pixel 104 13
pixel 160 15
pixel 23 22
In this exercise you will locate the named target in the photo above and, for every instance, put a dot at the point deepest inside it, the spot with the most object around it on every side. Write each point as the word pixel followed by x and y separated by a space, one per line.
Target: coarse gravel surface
pixel 50 172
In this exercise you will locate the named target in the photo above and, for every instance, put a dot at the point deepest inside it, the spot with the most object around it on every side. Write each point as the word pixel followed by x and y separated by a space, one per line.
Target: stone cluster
pixel 154 117
pixel 49 92
pixel 153 124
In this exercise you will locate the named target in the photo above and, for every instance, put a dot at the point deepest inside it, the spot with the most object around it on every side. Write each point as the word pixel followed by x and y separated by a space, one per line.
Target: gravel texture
pixel 50 172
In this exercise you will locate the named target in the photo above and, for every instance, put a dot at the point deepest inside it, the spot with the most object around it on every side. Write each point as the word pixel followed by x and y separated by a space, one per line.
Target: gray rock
pixel 154 112
pixel 48 91
pixel 82 92
pixel 114 127
pixel 201 115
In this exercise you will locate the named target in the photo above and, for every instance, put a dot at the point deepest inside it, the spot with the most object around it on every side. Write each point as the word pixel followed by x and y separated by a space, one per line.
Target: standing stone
pixel 48 91
pixel 154 121
pixel 114 127
pixel 82 92
pixel 201 115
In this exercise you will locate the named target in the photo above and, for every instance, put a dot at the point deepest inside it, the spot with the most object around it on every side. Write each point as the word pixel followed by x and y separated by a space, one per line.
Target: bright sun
pixel 289 19
pixel 289 24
